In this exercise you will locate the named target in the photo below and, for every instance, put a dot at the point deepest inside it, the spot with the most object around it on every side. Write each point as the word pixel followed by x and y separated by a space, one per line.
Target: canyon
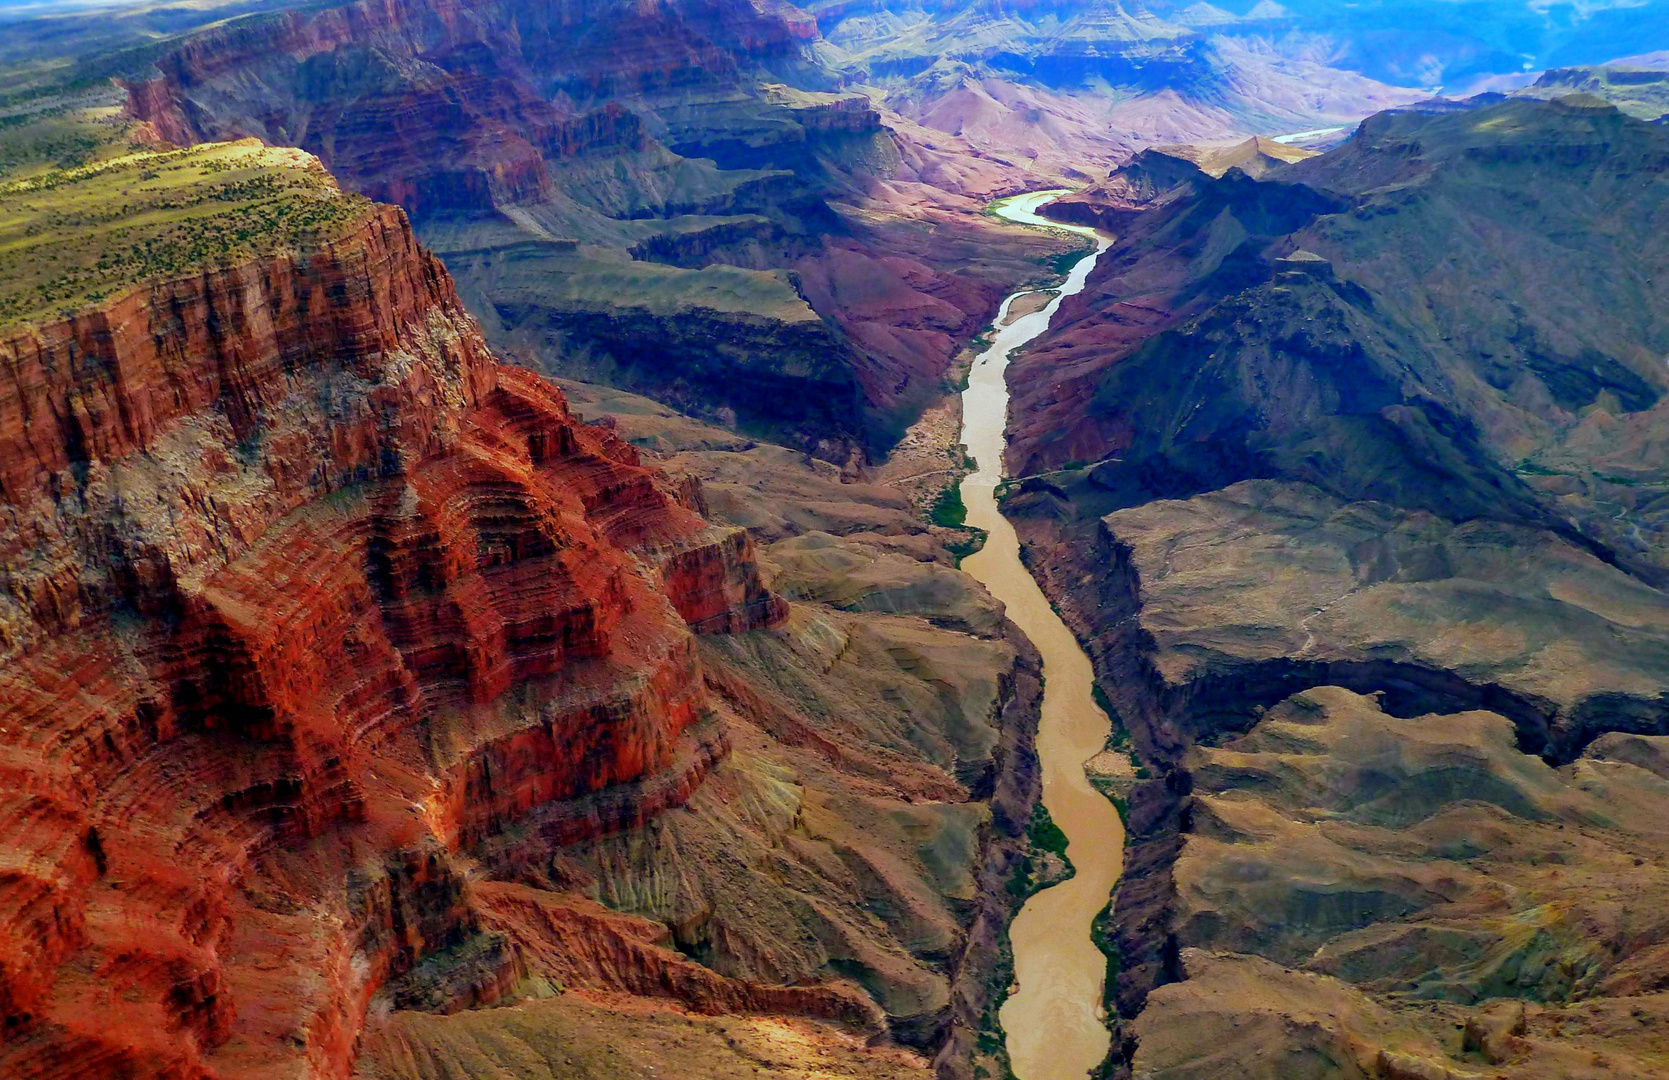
pixel 665 198
pixel 1326 468
pixel 1052 1018
pixel 493 541
pixel 1069 90
pixel 352 680
pixel 676 201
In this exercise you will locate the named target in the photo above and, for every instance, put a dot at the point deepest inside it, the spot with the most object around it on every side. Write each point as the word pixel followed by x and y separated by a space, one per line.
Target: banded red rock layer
pixel 300 593
pixel 587 945
pixel 447 106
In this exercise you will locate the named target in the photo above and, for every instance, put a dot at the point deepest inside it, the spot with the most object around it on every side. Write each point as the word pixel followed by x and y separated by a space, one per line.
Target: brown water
pixel 1053 1020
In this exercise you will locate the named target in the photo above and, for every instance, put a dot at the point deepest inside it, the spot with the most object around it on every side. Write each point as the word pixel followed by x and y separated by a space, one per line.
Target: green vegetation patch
pixel 948 510
pixel 971 542
pixel 87 212
pixel 1044 834
pixel 1061 263
pixel 1034 873
pixel 1101 933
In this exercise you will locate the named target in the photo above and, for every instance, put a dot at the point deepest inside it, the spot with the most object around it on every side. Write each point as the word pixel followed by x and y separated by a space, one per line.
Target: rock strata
pixel 1327 492
pixel 869 823
pixel 678 200
pixel 304 595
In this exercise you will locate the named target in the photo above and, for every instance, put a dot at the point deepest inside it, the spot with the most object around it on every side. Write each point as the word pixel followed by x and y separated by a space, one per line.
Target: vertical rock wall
pixel 302 593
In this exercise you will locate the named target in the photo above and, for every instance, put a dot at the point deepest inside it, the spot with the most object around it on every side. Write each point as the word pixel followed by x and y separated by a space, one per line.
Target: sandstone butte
pixel 304 593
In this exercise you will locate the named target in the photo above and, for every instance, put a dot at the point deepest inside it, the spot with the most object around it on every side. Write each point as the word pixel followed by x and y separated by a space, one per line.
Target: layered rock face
pixel 625 193
pixel 869 822
pixel 1344 478
pixel 433 104
pixel 1338 310
pixel 304 595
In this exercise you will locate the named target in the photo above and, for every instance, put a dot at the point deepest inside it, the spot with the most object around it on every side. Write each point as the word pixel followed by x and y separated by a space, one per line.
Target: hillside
pixel 1350 476
pixel 350 678
pixel 1639 87
pixel 1070 90
pixel 764 215
pixel 678 200
pixel 480 549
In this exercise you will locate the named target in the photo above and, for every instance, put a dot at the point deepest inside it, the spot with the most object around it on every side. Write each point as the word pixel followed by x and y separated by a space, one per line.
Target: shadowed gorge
pixel 677 200
pixel 1052 1018
pixel 1328 469
pixel 351 678
pixel 742 210
pixel 608 539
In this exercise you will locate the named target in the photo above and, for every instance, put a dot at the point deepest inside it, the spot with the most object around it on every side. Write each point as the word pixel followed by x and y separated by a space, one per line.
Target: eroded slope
pixel 347 670
pixel 670 199
pixel 1346 477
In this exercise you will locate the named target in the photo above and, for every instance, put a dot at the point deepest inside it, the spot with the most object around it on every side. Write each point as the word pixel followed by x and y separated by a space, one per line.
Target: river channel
pixel 1053 1020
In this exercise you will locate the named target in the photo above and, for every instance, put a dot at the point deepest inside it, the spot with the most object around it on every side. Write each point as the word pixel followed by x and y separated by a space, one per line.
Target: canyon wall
pixel 863 836
pixel 454 105
pixel 675 199
pixel 305 595
pixel 553 122
pixel 1344 477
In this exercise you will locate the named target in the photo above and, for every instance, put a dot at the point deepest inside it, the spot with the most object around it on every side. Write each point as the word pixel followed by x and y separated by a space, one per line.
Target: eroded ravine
pixel 1053 1020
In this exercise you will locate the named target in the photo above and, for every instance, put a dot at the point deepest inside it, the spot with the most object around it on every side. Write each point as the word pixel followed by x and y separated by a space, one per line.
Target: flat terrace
pixel 89 208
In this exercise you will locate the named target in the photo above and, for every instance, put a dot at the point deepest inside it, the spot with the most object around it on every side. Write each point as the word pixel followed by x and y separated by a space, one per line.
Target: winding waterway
pixel 1053 1019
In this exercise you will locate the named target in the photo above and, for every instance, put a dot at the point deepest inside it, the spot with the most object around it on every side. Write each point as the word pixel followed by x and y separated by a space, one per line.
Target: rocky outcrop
pixel 1213 346
pixel 586 1034
pixel 432 104
pixel 585 945
pixel 1161 173
pixel 1234 636
pixel 1638 86
pixel 561 160
pixel 871 818
pixel 1456 907
pixel 1374 656
pixel 788 377
pixel 303 595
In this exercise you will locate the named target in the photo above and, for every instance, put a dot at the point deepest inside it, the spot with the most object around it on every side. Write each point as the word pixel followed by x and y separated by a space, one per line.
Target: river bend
pixel 1053 1020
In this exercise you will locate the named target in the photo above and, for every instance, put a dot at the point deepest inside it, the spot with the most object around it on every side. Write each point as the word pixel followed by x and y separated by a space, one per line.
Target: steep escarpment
pixel 1411 291
pixel 734 344
pixel 1398 683
pixel 304 596
pixel 455 83
pixel 862 834
pixel 356 701
pixel 626 193
pixel 1161 173
pixel 1639 87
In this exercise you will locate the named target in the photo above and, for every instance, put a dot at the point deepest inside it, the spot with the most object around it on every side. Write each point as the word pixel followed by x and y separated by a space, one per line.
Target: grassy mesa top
pixel 87 214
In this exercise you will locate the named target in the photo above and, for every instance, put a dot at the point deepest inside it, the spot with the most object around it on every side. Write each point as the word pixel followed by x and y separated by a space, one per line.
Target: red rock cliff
pixel 456 105
pixel 301 592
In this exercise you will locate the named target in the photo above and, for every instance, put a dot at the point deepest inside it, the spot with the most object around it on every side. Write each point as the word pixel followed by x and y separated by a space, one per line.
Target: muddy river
pixel 1053 1020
